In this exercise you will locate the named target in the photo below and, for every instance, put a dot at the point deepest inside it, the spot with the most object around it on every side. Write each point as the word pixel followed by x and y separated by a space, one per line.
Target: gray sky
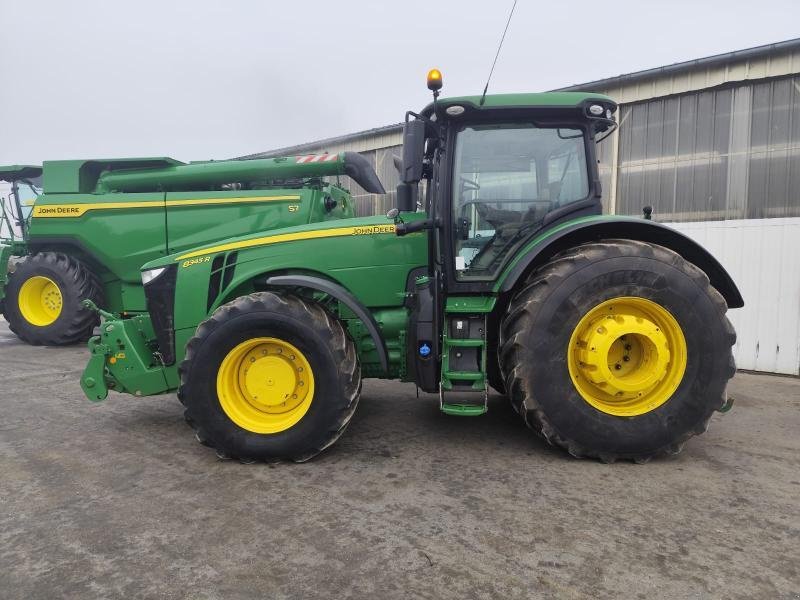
pixel 201 79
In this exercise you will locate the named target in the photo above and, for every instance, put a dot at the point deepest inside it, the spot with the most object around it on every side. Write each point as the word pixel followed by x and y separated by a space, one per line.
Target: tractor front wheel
pixel 617 350
pixel 270 376
pixel 44 294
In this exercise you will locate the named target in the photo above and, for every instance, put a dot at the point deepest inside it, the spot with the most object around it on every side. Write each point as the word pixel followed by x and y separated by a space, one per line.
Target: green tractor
pixel 98 221
pixel 608 334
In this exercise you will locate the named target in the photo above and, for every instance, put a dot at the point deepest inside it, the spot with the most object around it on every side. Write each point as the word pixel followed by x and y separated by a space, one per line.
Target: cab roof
pixel 16 172
pixel 535 100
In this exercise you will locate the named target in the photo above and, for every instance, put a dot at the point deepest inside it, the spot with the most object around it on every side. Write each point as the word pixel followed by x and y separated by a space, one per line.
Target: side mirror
pixel 407 197
pixel 413 150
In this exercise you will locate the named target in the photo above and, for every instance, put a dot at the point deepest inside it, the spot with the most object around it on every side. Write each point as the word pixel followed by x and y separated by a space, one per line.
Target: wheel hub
pixel 265 385
pixel 627 356
pixel 40 301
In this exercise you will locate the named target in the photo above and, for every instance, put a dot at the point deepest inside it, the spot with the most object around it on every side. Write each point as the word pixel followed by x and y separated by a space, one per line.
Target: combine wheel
pixel 269 376
pixel 617 350
pixel 43 299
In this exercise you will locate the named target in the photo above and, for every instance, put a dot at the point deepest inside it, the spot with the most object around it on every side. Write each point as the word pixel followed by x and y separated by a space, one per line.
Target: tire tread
pixel 532 295
pixel 326 325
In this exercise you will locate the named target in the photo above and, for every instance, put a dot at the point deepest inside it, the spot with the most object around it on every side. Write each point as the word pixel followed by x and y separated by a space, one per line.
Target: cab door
pixel 509 181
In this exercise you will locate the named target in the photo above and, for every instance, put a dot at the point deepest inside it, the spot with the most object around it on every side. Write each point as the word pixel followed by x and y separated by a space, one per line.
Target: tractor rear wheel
pixel 44 296
pixel 617 350
pixel 270 376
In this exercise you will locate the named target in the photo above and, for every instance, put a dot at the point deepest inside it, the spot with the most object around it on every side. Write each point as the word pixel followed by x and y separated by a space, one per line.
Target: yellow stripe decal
pixel 79 209
pixel 292 237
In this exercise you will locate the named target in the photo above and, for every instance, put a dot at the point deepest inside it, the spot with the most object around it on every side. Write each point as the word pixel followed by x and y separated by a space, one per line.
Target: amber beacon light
pixel 434 80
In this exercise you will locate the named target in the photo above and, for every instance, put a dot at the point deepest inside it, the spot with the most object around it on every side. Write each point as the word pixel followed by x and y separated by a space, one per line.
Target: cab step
pixel 463 389
pixel 464 410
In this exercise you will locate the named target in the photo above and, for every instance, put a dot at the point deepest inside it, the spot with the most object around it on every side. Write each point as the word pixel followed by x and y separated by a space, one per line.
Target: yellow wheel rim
pixel 265 385
pixel 40 301
pixel 627 356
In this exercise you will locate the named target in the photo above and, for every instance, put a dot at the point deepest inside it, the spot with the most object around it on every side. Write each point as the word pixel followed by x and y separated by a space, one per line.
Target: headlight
pixel 151 274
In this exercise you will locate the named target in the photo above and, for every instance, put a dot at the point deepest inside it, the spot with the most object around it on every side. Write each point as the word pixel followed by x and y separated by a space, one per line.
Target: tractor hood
pixel 337 228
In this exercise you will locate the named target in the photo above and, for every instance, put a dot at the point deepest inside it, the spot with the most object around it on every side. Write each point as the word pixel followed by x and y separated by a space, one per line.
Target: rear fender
pixel 543 248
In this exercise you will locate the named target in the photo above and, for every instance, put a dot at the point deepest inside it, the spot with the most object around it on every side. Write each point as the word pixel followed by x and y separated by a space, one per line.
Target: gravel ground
pixel 116 500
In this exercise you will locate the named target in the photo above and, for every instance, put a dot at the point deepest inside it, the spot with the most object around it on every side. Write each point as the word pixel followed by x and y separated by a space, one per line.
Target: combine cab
pixel 15 209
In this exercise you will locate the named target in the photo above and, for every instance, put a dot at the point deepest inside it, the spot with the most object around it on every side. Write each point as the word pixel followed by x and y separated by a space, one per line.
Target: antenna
pixel 488 79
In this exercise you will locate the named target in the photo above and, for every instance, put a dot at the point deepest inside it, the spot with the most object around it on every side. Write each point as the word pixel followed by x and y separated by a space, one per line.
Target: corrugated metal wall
pixel 763 257
pixel 774 60
pixel 731 153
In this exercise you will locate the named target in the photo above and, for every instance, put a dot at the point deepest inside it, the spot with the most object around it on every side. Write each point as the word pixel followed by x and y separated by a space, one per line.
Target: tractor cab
pixel 497 170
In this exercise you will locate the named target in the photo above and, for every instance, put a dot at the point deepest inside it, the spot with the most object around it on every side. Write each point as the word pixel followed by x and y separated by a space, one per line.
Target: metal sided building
pixel 713 145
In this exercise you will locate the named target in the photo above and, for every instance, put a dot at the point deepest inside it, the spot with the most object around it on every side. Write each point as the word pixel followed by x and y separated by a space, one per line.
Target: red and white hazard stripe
pixel 316 158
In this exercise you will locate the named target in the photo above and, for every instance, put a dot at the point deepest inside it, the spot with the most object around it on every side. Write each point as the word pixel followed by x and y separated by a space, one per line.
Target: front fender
pixel 591 229
pixel 335 290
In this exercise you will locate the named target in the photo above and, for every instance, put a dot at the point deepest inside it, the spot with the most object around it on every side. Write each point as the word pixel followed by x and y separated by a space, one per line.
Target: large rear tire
pixel 270 376
pixel 617 350
pixel 43 299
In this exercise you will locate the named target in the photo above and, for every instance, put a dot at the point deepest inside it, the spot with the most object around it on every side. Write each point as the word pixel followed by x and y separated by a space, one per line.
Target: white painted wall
pixel 763 257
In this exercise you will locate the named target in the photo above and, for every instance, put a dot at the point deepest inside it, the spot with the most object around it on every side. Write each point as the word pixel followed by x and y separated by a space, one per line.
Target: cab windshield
pixel 28 191
pixel 506 179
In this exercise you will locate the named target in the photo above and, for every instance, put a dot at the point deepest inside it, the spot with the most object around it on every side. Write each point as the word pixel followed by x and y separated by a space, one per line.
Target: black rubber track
pixel 540 316
pixel 328 347
pixel 76 283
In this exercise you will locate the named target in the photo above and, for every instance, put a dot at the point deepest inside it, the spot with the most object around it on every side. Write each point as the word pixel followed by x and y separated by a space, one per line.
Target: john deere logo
pixel 373 229
pixel 57 210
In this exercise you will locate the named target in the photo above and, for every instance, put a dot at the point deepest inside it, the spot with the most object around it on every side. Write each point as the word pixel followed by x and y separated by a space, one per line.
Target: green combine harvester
pixel 608 334
pixel 98 221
